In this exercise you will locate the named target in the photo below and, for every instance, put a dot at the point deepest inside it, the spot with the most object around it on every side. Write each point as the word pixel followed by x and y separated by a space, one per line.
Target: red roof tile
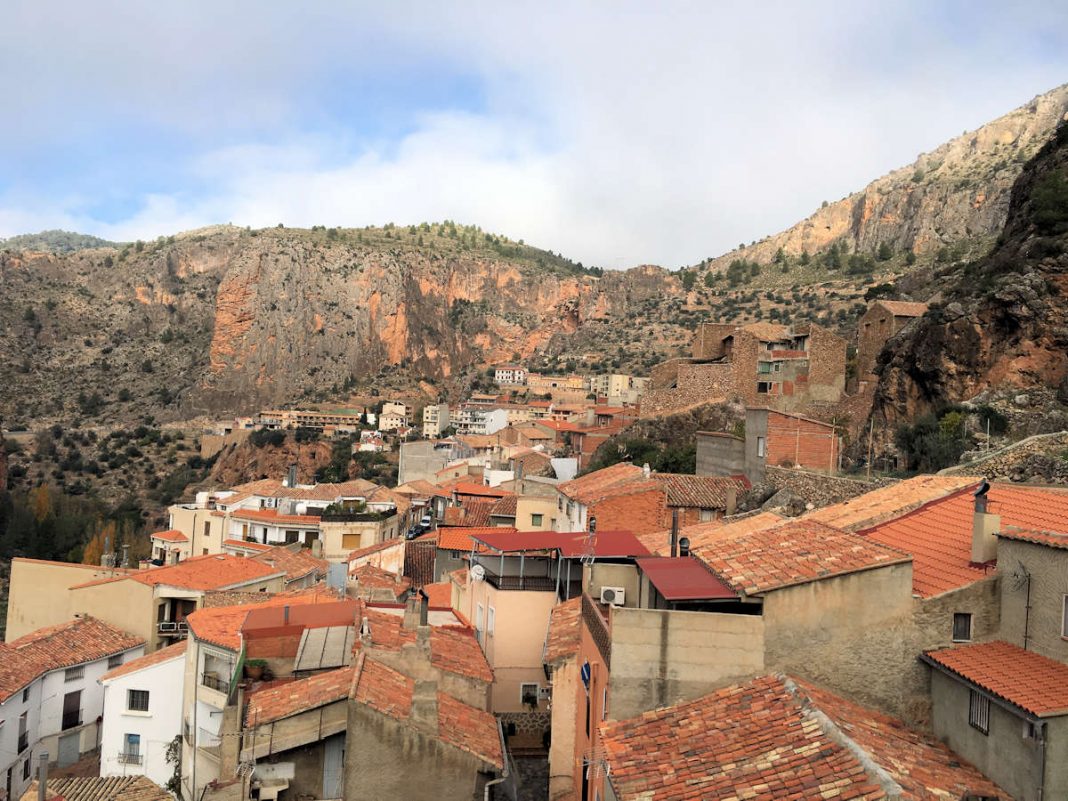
pixel 439 594
pixel 294 697
pixel 472 513
pixel 794 552
pixel 480 490
pixel 370 577
pixel 684 579
pixel 176 651
pixel 565 630
pixel 371 549
pixel 700 492
pixel 700 534
pixel 505 507
pixel 1031 681
pixel 452 648
pixel 221 625
pixel 585 489
pixel 171 535
pixel 458 538
pixel 212 572
pixel 298 564
pixel 772 738
pixel 571 545
pixel 886 503
pixel 84 639
pixel 247 545
pixel 271 516
pixel 383 688
pixel 473 730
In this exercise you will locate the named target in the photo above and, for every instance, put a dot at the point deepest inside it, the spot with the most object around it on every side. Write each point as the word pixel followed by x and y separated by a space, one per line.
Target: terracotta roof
pixel 212 572
pixel 372 549
pixel 419 555
pixel 702 492
pixel 171 535
pixel 585 489
pixel 383 688
pixel 247 545
pixel 297 563
pixel 939 533
pixel 505 507
pixel 684 578
pixel 570 544
pixel 421 487
pixel 471 488
pixel 439 594
pixel 565 630
pixel 294 697
pixel 84 639
pixel 700 534
pixel 100 788
pixel 370 577
pixel 794 552
pixel 469 729
pixel 886 503
pixel 1034 683
pixel 478 441
pixel 472 513
pixel 221 625
pixel 1053 539
pixel 773 739
pixel 176 651
pixel 273 517
pixel 904 308
pixel 452 648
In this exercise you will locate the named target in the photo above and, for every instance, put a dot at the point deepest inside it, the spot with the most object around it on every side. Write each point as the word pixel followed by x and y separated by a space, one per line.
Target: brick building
pixel 882 320
pixel 760 364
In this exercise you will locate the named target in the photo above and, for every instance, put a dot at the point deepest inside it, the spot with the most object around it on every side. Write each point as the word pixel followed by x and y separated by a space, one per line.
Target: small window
pixel 26 695
pixel 204 552
pixel 528 694
pixel 708 515
pixel 1064 618
pixel 1032 730
pixel 25 769
pixel 535 520
pixel 479 612
pixel 762 447
pixel 962 626
pixel 74 673
pixel 137 700
pixel 763 387
pixel 763 367
pixel 132 744
pixel 979 712
pixel 454 554
pixel 114 661
pixel 604 704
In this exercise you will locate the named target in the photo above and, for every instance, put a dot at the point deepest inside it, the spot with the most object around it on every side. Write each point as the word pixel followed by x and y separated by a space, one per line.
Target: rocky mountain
pixel 56 241
pixel 1000 326
pixel 956 195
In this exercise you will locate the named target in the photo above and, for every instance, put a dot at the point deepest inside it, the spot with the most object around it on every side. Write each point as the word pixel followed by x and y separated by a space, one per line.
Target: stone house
pixel 796 369
pixel 880 322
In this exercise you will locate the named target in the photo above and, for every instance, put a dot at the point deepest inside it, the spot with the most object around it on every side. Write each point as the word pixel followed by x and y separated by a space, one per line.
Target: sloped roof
pixel 99 788
pixel 211 572
pixel 767 332
pixel 296 563
pixel 439 594
pixel 700 534
pixel 684 578
pixel 294 697
pixel 372 549
pixel 452 648
pixel 176 651
pixel 170 535
pixel 565 630
pixel 472 513
pixel 505 507
pixel 886 503
pixel 904 308
pixel 221 625
pixel 1034 683
pixel 570 544
pixel 480 490
pixel 591 486
pixel 773 738
pixel 84 639
pixel 272 517
pixel 371 577
pixel 701 492
pixel 794 552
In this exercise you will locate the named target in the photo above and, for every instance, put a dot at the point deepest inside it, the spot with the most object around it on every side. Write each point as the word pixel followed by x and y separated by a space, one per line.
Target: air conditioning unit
pixel 613 595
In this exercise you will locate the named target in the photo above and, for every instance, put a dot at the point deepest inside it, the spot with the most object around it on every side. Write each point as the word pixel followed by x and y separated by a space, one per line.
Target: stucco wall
pixel 662 657
pixel 565 682
pixel 720 454
pixel 1048 568
pixel 1004 755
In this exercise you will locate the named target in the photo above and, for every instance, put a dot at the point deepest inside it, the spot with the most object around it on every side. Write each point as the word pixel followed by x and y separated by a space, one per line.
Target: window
pixel 25 769
pixel 479 612
pixel 979 712
pixel 962 626
pixel 763 387
pixel 131 749
pixel 137 700
pixel 26 695
pixel 454 554
pixel 708 515
pixel 74 673
pixel 114 661
pixel 204 552
pixel 491 618
pixel 1032 730
pixel 604 704
pixel 1064 618
pixel 763 367
pixel 535 520
pixel 207 527
pixel 762 447
pixel 528 694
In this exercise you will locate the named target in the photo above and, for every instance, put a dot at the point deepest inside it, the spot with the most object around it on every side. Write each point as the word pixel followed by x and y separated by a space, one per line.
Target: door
pixel 334 766
pixel 72 710
pixel 68 749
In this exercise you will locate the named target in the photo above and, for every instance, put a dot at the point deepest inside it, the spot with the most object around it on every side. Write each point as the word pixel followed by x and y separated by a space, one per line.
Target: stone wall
pixel 696 384
pixel 820 489
pixel 827 362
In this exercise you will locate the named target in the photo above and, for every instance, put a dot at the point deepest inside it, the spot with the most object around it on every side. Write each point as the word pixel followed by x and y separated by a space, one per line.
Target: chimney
pixel 732 499
pixel 645 470
pixel 125 555
pixel 317 548
pixel 291 478
pixel 424 608
pixel 424 712
pixel 412 612
pixel 674 533
pixel 985 527
pixel 42 776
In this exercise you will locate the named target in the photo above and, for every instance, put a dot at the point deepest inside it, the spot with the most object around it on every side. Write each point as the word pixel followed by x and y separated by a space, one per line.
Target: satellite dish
pixel 478 572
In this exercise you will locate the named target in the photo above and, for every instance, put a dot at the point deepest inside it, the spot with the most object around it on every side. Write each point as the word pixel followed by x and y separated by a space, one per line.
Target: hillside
pixel 1000 329
pixel 55 241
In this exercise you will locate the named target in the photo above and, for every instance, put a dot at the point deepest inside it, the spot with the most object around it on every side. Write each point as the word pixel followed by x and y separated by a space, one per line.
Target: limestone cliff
pixel 1002 322
pixel 957 193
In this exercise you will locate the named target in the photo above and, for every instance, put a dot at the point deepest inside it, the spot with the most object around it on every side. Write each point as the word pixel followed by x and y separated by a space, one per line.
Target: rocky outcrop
pixel 238 464
pixel 955 193
pixel 1003 320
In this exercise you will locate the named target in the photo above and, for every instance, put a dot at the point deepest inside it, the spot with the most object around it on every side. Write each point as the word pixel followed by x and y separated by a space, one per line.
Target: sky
pixel 616 133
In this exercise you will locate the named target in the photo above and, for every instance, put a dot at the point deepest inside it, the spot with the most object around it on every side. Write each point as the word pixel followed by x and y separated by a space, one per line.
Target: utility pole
pixel 871 435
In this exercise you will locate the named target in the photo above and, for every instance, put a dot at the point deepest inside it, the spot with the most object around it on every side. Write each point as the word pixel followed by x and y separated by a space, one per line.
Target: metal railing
pixel 520 582
pixel 212 681
pixel 173 627
pixel 127 758
pixel 71 719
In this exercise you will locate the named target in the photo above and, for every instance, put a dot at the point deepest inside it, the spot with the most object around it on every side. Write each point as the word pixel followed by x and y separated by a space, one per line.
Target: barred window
pixel 137 700
pixel 979 712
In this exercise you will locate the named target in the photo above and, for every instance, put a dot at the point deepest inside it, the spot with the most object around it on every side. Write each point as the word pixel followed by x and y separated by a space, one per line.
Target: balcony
pixel 213 682
pixel 24 741
pixel 172 628
pixel 71 719
pixel 126 758
pixel 535 583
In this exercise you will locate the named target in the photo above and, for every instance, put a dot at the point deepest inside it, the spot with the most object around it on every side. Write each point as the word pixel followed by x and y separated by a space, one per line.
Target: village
pixel 512 621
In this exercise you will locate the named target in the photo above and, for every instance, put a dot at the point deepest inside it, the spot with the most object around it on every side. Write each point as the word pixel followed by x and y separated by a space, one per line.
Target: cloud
pixel 615 133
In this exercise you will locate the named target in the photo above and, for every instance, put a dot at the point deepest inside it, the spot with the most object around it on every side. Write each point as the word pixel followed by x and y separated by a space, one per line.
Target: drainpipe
pixel 1042 766
pixel 504 771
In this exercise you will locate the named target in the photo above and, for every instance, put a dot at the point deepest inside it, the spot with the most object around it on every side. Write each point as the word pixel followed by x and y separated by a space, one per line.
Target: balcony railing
pixel 543 583
pixel 212 681
pixel 173 628
pixel 126 758
pixel 71 719
pixel 24 741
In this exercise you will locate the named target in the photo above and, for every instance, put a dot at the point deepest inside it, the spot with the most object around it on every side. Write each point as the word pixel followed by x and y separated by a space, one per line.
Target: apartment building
pixel 435 419
pixel 510 374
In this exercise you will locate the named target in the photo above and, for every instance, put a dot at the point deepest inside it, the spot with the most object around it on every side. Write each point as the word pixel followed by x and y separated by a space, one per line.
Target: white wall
pixel 10 711
pixel 157 727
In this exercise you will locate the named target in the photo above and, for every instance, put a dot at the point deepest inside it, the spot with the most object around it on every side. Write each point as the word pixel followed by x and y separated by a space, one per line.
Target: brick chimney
pixel 732 500
pixel 985 527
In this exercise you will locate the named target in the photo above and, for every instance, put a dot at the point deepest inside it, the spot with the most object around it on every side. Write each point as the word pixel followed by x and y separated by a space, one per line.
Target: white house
pixel 142 714
pixel 50 698
pixel 510 374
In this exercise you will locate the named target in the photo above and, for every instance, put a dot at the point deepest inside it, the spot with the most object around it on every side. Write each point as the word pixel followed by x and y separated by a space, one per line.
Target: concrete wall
pixel 295 731
pixel 605 574
pixel 1004 755
pixel 377 746
pixel 565 683
pixel 720 454
pixel 342 538
pixel 206 531
pixel 1048 568
pixel 661 657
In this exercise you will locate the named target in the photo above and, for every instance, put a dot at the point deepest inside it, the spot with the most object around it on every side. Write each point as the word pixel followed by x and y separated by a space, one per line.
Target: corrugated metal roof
pixel 684 579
